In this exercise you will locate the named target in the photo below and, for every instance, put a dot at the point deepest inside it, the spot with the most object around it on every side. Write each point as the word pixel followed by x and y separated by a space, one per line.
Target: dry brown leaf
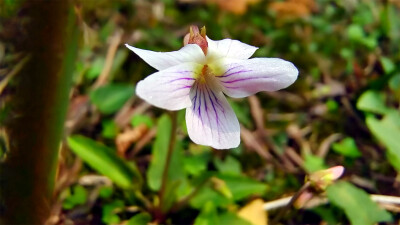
pixel 125 139
pixel 254 212
pixel 292 9
pixel 235 6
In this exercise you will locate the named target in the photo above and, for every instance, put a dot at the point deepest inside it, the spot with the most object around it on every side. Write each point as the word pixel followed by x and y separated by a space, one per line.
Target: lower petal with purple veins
pixel 210 120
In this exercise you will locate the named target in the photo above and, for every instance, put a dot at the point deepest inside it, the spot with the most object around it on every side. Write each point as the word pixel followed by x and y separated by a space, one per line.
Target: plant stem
pixel 38 110
pixel 169 157
pixel 283 211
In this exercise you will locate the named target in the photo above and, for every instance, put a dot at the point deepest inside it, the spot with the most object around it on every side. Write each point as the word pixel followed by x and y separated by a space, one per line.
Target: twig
pixel 282 202
pixel 292 154
pixel 251 142
pixel 295 132
pixel 290 203
pixel 326 143
pixel 276 204
pixel 256 112
pixel 350 110
pixel 386 199
pixel 115 41
pixel 124 116
pixel 142 142
pixel 13 72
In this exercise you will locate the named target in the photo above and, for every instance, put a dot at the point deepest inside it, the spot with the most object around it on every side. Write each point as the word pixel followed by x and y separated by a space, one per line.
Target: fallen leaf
pixel 128 137
pixel 254 212
pixel 235 6
pixel 292 9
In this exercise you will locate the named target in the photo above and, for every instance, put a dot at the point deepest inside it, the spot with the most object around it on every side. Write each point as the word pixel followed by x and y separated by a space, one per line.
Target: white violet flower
pixel 199 75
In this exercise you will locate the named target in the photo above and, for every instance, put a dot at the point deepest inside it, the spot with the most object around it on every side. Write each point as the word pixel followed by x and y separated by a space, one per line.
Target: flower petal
pixel 169 88
pixel 210 120
pixel 229 48
pixel 247 77
pixel 164 60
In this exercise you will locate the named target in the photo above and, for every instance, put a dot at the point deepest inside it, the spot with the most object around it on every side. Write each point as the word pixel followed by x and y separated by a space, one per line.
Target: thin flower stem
pixel 276 204
pixel 385 199
pixel 286 208
pixel 169 156
pixel 282 202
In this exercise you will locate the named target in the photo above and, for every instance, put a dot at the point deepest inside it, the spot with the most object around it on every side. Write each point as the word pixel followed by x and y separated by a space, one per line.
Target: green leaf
pixel 159 154
pixel 110 129
pixel 139 119
pixel 328 214
pixel 388 132
pixel 314 163
pixel 370 42
pixel 387 64
pixel 232 219
pixel 372 101
pixel 96 68
pixel 357 204
pixel 109 215
pixel 206 194
pixel 332 105
pixel 106 192
pixel 347 147
pixel 78 196
pixel 196 164
pixel 105 161
pixel 208 215
pixel 229 166
pixel 111 97
pixel 355 32
pixel 394 83
pixel 139 219
pixel 241 186
pixel 392 118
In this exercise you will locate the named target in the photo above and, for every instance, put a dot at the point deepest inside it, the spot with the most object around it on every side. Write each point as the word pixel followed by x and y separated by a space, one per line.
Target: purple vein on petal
pixel 219 104
pixel 212 103
pixel 194 99
pixel 180 72
pixel 231 87
pixel 207 112
pixel 183 87
pixel 242 79
pixel 199 107
pixel 182 78
pixel 229 70
pixel 234 73
pixel 215 112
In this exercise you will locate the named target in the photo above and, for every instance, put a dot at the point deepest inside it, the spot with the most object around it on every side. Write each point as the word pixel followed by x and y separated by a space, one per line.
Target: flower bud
pixel 323 178
pixel 197 37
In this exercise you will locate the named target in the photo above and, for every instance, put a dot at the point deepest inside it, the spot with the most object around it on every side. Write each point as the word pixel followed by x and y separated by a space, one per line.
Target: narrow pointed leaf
pixel 105 161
